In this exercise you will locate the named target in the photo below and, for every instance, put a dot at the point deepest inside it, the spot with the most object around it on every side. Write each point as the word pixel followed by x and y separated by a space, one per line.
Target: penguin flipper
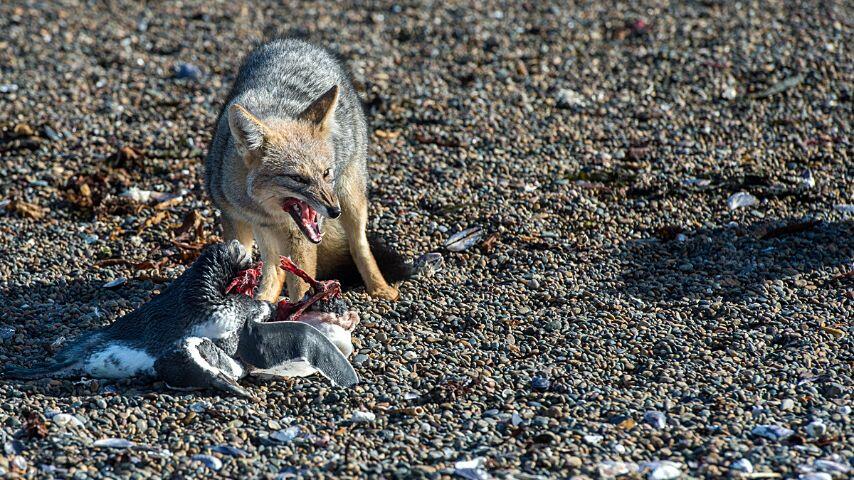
pixel 197 363
pixel 269 346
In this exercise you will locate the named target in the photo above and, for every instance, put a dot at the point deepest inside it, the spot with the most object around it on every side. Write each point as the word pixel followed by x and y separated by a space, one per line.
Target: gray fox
pixel 287 166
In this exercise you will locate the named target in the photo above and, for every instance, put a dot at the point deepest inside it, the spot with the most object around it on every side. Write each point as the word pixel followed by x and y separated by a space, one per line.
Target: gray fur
pixel 279 80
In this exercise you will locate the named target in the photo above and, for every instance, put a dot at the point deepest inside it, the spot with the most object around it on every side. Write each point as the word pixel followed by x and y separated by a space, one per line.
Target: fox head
pixel 290 162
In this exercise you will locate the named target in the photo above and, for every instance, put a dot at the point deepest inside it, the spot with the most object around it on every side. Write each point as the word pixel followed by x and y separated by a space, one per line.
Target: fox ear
pixel 321 111
pixel 247 129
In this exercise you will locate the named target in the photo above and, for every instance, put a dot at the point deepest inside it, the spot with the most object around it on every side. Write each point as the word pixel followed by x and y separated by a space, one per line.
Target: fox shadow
pixel 732 263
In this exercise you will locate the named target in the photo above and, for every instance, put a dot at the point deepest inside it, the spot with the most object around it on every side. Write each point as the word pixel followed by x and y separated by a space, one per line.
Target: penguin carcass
pixel 206 331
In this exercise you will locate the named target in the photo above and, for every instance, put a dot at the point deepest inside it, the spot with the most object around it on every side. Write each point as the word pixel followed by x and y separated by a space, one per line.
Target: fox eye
pixel 297 178
pixel 327 174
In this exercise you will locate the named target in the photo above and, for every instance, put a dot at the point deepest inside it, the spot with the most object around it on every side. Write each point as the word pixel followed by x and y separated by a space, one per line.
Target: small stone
pixel 787 404
pixel 610 469
pixel 540 384
pixel 287 435
pixel 816 428
pixel 115 283
pixel 187 71
pixel 567 98
pixel 360 359
pixel 114 443
pixel 65 419
pixel 815 476
pixel 6 333
pixel 209 461
pixel 742 465
pixel 362 417
pixel 740 200
pixel 664 472
pixel 655 419
pixel 772 432
pixel 833 390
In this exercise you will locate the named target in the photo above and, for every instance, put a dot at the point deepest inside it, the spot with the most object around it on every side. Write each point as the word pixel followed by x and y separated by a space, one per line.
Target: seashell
pixel 741 199
pixel 115 283
pixel 362 417
pixel 230 451
pixel 64 419
pixel 113 443
pixel 655 419
pixel 464 240
pixel 287 435
pixel 772 432
pixel 209 460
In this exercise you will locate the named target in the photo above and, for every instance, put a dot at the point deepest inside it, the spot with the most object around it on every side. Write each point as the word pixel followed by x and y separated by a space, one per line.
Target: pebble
pixel 230 451
pixel 360 359
pixel 362 417
pixel 569 280
pixel 742 465
pixel 113 443
pixel 209 461
pixel 772 432
pixel 612 469
pixel 816 428
pixel 540 383
pixel 6 333
pixel 567 98
pixel 65 419
pixel 198 407
pixel 663 470
pixel 187 71
pixel 815 476
pixel 831 466
pixel 741 200
pixel 471 469
pixel 655 419
pixel 287 435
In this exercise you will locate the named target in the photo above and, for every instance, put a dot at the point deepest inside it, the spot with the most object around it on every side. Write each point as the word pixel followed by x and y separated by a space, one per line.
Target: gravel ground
pixel 614 310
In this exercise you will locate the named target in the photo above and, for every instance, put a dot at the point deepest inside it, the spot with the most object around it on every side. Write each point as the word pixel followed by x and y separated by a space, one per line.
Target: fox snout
pixel 330 203
pixel 333 211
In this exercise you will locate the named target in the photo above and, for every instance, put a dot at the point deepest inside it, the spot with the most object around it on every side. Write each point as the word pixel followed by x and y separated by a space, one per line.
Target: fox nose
pixel 333 212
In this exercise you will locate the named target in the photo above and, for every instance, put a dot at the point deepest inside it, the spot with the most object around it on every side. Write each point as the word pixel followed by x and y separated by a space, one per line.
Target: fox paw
pixel 386 293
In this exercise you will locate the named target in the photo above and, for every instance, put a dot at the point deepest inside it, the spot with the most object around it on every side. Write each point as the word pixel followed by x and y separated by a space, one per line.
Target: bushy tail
pixel 394 266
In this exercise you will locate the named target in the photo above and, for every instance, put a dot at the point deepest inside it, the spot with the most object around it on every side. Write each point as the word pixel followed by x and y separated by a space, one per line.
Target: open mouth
pixel 308 220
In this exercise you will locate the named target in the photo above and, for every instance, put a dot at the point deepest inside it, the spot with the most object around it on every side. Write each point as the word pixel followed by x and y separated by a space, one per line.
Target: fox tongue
pixel 310 220
pixel 306 217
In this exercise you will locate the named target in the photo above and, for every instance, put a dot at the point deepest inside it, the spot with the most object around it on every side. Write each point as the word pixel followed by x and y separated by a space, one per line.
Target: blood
pixel 246 281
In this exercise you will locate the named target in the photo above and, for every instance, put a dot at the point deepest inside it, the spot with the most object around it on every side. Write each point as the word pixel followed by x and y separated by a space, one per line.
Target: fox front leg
pixel 272 277
pixel 304 254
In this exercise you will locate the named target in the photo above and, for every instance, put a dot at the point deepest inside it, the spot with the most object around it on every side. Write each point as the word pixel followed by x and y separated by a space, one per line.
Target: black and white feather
pixel 193 336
